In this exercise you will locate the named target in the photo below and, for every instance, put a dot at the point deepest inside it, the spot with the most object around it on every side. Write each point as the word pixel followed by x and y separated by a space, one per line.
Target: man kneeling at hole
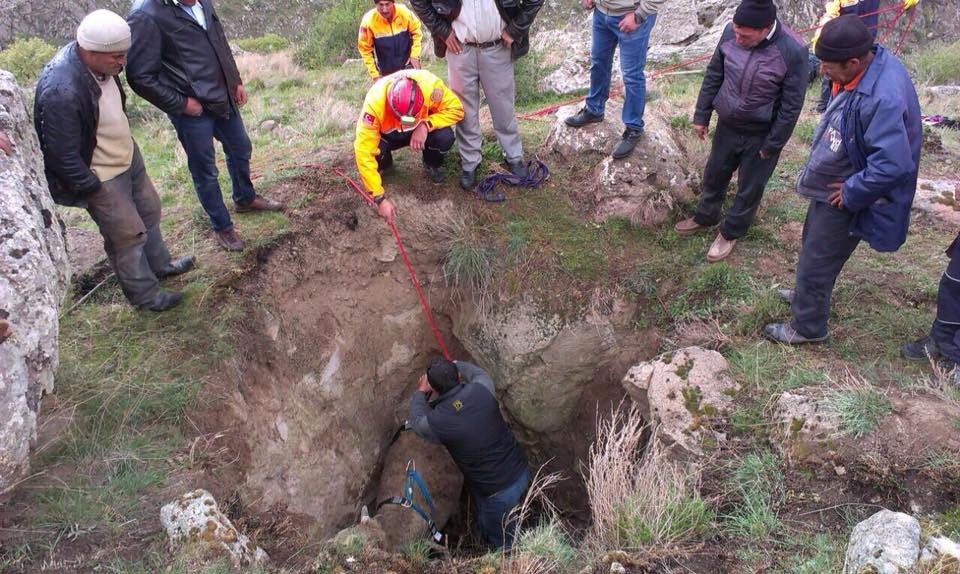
pixel 465 418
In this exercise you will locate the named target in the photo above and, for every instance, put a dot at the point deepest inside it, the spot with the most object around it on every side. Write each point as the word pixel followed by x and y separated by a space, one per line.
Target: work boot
pixel 518 168
pixel 582 118
pixel 163 301
pixel 785 333
pixel 627 143
pixel 177 267
pixel 437 175
pixel 921 350
pixel 688 227
pixel 229 240
pixel 468 179
pixel 787 295
pixel 720 249
pixel 260 203
pixel 385 163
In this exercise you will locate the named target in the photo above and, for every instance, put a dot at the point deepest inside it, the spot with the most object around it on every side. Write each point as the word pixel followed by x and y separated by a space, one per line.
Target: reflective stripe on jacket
pixel 386 47
pixel 441 109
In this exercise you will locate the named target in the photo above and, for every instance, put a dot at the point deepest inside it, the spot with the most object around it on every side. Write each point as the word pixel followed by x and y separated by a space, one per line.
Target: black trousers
pixel 826 245
pixel 436 147
pixel 733 151
pixel 946 327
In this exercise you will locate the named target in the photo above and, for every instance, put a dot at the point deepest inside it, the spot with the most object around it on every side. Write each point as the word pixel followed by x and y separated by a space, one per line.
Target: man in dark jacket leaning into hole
pixel 465 418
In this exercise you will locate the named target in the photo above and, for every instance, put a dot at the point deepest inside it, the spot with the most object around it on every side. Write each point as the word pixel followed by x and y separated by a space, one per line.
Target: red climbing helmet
pixel 405 100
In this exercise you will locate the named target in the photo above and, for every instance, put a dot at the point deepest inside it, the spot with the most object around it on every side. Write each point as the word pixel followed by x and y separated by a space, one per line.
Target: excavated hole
pixel 335 341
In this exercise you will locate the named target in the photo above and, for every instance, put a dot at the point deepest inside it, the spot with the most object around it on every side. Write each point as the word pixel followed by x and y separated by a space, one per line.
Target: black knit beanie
pixel 843 38
pixel 755 13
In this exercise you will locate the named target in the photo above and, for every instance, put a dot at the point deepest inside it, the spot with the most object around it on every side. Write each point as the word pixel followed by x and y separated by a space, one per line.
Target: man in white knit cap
pixel 91 160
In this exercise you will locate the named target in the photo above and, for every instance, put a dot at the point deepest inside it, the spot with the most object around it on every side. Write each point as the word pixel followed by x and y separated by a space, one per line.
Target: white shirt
pixel 196 11
pixel 479 22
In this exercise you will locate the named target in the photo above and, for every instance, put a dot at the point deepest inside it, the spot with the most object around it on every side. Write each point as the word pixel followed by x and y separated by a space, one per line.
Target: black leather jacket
pixel 66 111
pixel 173 57
pixel 518 14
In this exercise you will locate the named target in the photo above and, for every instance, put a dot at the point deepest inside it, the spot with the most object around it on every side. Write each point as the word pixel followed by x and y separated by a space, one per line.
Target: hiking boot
pixel 582 118
pixel 720 249
pixel 518 168
pixel 260 203
pixel 785 333
pixel 627 143
pixel 163 301
pixel 177 267
pixel 688 227
pixel 229 240
pixel 921 350
pixel 787 295
pixel 468 179
pixel 436 174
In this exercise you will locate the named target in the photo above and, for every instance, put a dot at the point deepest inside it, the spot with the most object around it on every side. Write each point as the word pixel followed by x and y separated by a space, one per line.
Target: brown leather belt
pixel 483 45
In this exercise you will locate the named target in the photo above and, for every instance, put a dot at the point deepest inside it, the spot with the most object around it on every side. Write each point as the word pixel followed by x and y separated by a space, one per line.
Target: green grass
pixel 714 288
pixel 265 44
pixel 805 129
pixel 758 483
pixel 813 554
pixel 469 262
pixel 332 37
pixel 859 410
pixel 938 65
pixel 951 522
pixel 548 542
pixel 417 554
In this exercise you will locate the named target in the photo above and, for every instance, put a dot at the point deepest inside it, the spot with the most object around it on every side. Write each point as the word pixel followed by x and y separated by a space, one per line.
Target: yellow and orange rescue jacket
pixel 387 46
pixel 441 109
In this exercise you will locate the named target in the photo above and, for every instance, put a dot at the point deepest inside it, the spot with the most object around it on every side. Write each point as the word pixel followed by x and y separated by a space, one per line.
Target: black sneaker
pixel 164 300
pixel 627 143
pixel 921 350
pixel 437 175
pixel 468 179
pixel 177 267
pixel 582 118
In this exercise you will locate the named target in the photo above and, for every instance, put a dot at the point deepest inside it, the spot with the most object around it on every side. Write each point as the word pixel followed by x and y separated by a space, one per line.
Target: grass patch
pixel 815 554
pixel 469 263
pixel 715 287
pixel 859 409
pixel 757 481
pixel 805 129
pixel 332 38
pixel 418 554
pixel 265 44
pixel 547 542
pixel 939 65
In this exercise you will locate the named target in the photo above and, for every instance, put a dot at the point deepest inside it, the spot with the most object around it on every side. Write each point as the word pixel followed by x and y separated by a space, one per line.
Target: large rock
pixel 807 430
pixel 441 477
pixel 195 520
pixel 886 543
pixel 33 280
pixel 682 394
pixel 645 186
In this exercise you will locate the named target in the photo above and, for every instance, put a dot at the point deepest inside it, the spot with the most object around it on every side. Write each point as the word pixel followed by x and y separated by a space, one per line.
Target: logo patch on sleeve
pixel 457 405
pixel 368 119
pixel 436 96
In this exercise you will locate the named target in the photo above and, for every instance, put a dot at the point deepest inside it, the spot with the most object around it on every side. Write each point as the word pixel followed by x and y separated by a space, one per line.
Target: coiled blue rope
pixel 537 173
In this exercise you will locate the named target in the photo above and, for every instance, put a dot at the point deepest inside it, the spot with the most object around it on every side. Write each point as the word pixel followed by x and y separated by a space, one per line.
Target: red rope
pixel 406 260
pixel 903 35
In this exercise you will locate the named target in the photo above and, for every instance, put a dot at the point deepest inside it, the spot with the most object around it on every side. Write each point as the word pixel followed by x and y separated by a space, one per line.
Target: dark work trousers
pixel 196 135
pixel 825 246
pixel 946 327
pixel 734 151
pixel 435 148
pixel 126 209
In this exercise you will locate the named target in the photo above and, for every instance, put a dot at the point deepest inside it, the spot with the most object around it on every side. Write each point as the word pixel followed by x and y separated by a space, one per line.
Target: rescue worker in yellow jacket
pixel 408 108
pixel 389 39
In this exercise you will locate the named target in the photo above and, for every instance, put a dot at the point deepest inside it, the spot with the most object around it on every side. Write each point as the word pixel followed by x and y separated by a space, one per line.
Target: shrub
pixel 938 65
pixel 639 499
pixel 264 44
pixel 333 36
pixel 25 57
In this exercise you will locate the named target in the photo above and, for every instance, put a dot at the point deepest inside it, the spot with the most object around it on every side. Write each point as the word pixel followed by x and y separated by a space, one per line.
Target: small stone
pixel 268 125
pixel 617 568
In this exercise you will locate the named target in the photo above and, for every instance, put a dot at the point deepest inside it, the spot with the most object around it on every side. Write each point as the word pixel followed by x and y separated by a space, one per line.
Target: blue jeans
pixel 493 510
pixel 633 58
pixel 196 135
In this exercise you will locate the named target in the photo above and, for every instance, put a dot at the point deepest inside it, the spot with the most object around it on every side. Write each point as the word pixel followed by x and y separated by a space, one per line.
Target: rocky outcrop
pixel 33 281
pixel 441 477
pixel 886 543
pixel 195 520
pixel 681 394
pixel 937 197
pixel 645 186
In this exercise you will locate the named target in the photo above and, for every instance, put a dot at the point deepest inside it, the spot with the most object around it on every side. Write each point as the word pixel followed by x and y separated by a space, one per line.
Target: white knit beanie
pixel 104 31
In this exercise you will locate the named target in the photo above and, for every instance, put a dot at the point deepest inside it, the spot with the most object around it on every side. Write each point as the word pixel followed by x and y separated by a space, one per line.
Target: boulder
pixel 886 543
pixel 681 394
pixel 645 186
pixel 806 431
pixel 34 274
pixel 936 197
pixel 441 477
pixel 195 520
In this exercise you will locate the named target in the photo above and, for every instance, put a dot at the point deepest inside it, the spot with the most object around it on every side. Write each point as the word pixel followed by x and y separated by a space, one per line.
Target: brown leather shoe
pixel 688 227
pixel 229 240
pixel 260 203
pixel 720 249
